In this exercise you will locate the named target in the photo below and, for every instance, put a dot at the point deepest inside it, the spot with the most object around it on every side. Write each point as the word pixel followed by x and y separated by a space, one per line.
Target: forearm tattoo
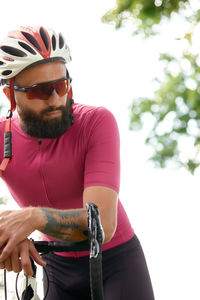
pixel 68 225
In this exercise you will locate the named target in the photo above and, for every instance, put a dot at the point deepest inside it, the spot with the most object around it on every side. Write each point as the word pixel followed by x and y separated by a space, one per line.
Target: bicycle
pixel 93 244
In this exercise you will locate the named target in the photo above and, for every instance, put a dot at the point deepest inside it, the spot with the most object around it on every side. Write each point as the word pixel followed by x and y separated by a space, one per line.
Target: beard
pixel 35 125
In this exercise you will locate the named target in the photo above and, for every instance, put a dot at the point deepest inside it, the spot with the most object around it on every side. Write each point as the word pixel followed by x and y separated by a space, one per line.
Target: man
pixel 64 155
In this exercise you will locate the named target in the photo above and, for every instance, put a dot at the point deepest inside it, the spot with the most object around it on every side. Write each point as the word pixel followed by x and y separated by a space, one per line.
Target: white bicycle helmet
pixel 29 46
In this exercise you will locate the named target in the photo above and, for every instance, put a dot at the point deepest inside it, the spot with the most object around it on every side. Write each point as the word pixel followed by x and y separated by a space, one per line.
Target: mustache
pixel 50 109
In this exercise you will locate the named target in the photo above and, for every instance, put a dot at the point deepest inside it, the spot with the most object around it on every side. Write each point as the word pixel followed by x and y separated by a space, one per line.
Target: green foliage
pixel 143 13
pixel 175 106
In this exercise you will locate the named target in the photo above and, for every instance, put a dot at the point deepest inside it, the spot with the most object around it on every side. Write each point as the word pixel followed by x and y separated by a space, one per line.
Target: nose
pixel 54 99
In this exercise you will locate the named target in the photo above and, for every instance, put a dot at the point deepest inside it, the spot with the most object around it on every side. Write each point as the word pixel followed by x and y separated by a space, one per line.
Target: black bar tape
pixel 7 144
pixel 96 277
pixel 96 238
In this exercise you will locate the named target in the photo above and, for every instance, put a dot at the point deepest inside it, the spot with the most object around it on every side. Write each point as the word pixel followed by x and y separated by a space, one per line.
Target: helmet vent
pixel 61 41
pixel 53 41
pixel 44 38
pixel 32 40
pixel 13 51
pixel 27 47
pixel 7 72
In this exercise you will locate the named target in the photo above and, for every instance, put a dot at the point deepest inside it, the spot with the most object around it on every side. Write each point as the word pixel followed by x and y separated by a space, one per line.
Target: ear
pixel 6 91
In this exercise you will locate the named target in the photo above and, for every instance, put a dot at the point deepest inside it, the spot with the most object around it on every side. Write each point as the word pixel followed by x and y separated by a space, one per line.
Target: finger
pixel 16 262
pixel 36 256
pixel 9 247
pixel 2 266
pixel 25 261
pixel 3 242
pixel 8 264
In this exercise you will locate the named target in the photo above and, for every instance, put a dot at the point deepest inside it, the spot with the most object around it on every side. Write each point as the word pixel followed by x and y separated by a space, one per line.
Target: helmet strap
pixel 7 132
pixel 72 115
pixel 70 95
pixel 12 95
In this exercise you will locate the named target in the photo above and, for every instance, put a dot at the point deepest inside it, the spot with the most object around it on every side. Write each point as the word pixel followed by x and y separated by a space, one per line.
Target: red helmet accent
pixel 33 36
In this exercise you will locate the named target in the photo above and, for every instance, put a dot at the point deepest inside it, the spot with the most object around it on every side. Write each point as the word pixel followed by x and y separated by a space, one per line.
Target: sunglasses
pixel 44 90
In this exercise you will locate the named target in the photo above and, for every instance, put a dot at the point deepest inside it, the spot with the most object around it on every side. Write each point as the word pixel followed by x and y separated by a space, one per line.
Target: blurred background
pixel 141 60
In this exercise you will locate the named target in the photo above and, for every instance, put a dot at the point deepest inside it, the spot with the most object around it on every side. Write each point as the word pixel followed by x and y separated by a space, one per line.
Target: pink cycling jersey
pixel 54 172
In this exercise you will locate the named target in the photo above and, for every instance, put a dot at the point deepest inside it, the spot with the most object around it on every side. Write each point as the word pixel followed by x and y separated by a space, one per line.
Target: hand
pixel 19 259
pixel 16 226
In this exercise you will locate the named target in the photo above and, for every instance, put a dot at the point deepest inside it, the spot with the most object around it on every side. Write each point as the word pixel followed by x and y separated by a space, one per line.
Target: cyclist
pixel 65 154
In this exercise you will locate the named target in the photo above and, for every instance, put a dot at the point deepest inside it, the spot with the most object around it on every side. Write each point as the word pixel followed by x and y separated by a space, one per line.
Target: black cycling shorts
pixel 125 275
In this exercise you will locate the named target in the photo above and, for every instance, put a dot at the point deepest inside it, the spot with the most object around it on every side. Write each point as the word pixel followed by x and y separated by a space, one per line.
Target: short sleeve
pixel 102 162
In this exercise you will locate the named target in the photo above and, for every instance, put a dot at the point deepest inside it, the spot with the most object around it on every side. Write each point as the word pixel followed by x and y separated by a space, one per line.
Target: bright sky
pixel 109 68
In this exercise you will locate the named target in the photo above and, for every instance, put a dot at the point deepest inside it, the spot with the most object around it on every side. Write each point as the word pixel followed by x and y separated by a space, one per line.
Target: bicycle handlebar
pixel 54 246
pixel 93 245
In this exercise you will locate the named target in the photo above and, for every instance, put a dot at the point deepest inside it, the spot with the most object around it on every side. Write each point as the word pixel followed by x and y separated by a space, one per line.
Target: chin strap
pixel 7 132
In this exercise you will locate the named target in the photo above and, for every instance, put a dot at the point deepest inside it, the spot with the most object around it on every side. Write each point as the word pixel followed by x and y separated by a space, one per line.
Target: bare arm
pixel 69 225
pixel 72 225
pixel 16 226
pixel 106 200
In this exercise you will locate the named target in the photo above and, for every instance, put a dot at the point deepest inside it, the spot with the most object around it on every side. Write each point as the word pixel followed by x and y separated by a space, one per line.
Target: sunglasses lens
pixel 44 91
pixel 61 87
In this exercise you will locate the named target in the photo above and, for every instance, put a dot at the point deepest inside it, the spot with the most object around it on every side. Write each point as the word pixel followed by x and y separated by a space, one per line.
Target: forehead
pixel 41 73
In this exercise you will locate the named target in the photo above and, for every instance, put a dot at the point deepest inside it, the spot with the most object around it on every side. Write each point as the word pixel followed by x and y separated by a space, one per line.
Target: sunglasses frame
pixel 26 88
